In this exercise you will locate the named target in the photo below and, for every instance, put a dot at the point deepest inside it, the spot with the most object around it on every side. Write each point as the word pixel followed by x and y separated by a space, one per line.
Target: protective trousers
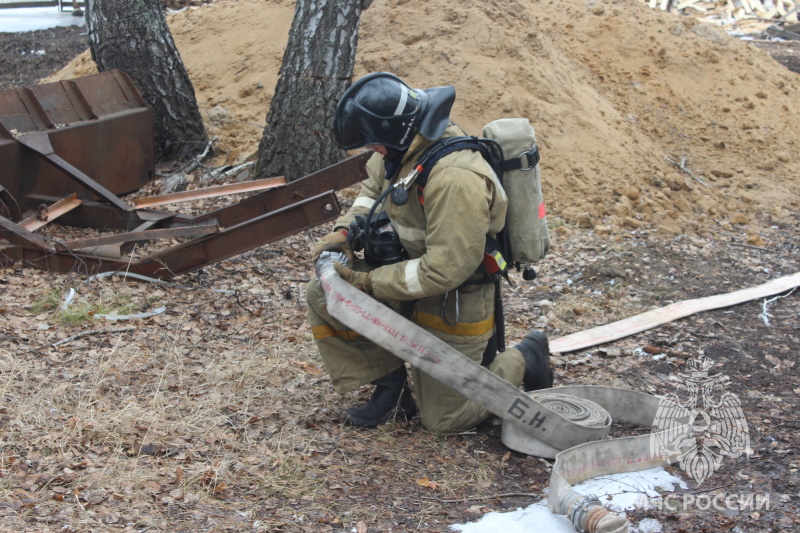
pixel 352 361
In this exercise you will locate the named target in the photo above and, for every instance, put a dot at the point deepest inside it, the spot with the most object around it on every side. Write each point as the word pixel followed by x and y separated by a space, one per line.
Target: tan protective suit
pixel 444 234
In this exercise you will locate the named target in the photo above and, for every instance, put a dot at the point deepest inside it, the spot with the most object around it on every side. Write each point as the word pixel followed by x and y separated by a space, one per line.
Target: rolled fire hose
pixel 568 423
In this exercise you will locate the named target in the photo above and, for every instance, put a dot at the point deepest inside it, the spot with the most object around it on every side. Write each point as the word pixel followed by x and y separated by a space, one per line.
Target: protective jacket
pixel 443 228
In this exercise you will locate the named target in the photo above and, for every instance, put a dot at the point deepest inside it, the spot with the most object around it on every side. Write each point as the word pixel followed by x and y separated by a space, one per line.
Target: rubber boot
pixel 391 397
pixel 535 350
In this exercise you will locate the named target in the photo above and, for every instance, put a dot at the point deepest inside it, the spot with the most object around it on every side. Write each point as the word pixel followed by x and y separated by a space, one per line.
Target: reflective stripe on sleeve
pixel 363 201
pixel 412 278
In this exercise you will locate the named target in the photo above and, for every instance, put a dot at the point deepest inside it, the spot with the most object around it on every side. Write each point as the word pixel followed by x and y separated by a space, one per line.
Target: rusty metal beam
pixel 57 261
pixel 46 214
pixel 21 237
pixel 241 238
pixel 209 192
pixel 96 214
pixel 153 221
pixel 334 177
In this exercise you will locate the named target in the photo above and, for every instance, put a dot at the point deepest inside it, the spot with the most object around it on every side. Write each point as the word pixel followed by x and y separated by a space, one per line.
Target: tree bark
pixel 133 36
pixel 317 68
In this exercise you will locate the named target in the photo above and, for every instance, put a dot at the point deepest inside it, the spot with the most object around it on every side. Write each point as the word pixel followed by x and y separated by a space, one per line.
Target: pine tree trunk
pixel 133 36
pixel 317 68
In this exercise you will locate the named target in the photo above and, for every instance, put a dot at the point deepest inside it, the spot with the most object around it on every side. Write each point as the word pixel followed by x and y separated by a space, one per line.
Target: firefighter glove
pixel 333 242
pixel 359 280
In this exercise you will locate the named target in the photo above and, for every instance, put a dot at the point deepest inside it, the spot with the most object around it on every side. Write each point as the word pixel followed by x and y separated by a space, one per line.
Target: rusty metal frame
pixel 260 219
pixel 70 148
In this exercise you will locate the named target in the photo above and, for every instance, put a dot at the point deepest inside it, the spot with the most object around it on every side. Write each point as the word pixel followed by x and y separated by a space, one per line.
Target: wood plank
pixel 50 213
pixel 690 3
pixel 210 192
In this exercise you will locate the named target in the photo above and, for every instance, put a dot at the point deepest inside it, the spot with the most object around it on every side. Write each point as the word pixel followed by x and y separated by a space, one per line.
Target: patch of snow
pixel 19 19
pixel 648 525
pixel 618 492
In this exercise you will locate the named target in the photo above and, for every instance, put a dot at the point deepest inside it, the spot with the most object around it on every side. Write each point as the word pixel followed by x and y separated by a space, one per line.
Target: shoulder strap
pixel 489 149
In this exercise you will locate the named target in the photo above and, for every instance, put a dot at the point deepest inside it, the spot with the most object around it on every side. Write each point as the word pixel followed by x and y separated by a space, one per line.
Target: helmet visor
pixel 357 127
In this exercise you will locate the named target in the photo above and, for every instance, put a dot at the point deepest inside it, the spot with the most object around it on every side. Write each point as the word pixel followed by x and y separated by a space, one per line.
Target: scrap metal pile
pixel 180 4
pixel 785 10
pixel 70 148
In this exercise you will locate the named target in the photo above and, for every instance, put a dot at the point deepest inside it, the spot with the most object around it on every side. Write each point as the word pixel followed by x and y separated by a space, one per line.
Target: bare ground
pixel 27 57
pixel 217 415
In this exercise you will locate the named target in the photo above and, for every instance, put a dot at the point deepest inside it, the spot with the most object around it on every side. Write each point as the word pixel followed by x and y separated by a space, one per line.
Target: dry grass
pixel 218 407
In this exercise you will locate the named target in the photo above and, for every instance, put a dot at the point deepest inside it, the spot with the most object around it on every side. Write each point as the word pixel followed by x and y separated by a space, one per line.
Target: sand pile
pixel 618 93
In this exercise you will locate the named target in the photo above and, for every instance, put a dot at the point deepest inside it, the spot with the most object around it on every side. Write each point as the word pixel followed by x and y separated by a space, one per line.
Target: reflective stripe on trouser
pixel 352 361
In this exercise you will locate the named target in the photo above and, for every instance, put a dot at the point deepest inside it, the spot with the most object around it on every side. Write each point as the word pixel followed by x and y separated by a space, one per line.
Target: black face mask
pixel 392 160
pixel 394 153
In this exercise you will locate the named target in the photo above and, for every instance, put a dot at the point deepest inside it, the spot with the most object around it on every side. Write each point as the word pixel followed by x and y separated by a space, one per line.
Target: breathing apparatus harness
pixel 375 235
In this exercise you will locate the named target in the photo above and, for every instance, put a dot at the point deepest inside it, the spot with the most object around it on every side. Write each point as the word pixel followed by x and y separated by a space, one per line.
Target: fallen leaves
pixel 308 368
pixel 427 483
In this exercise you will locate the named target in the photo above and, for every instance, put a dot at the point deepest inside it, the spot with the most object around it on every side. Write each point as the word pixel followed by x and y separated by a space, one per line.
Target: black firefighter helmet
pixel 381 109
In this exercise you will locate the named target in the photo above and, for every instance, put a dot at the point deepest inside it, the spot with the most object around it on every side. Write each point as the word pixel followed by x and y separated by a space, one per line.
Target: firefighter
pixel 430 245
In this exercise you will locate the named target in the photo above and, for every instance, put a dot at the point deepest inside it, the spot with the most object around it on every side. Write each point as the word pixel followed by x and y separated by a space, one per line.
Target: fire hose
pixel 570 428
pixel 567 423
